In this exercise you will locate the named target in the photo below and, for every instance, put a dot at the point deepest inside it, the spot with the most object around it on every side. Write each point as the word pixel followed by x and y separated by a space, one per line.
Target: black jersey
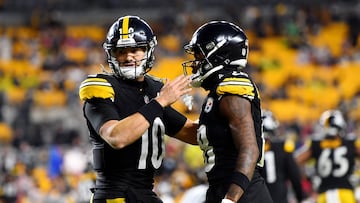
pixel 214 135
pixel 109 98
pixel 280 167
pixel 335 161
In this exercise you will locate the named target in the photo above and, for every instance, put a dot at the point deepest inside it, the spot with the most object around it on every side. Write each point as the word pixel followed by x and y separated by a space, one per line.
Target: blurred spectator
pixel 6 46
pixel 55 162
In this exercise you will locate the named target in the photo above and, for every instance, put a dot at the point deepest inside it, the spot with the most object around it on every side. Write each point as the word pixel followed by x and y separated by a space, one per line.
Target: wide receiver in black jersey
pixel 280 165
pixel 128 112
pixel 229 133
pixel 334 152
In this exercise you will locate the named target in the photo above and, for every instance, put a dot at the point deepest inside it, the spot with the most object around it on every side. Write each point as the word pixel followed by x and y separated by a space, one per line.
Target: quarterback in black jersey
pixel 334 152
pixel 229 133
pixel 280 165
pixel 128 113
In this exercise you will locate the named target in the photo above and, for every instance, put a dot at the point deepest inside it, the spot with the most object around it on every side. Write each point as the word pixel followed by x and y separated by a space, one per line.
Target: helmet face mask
pixel 130 32
pixel 199 70
pixel 215 45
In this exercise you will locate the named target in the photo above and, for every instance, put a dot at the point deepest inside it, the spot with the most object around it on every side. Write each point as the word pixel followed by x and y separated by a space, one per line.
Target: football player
pixel 230 121
pixel 280 165
pixel 334 153
pixel 128 112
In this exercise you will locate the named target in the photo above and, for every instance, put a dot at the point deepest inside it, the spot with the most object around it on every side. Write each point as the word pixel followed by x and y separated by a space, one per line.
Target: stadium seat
pixel 95 33
pixel 168 67
pixel 16 95
pixel 6 133
pixel 76 54
pixel 50 98
pixel 332 36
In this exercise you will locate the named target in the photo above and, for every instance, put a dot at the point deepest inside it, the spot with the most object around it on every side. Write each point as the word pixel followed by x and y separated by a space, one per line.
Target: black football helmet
pixel 130 31
pixel 215 45
pixel 269 122
pixel 332 122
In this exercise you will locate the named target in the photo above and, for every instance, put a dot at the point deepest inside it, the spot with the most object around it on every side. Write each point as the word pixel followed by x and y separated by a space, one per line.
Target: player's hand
pixel 173 90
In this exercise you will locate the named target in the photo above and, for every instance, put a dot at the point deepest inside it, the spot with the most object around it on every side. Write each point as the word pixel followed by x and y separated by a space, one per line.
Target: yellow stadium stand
pixel 168 67
pixel 95 33
pixel 76 54
pixel 288 110
pixel 16 95
pixel 6 133
pixel 41 179
pixel 170 42
pixel 332 36
pixel 50 98
pixel 22 32
pixel 349 82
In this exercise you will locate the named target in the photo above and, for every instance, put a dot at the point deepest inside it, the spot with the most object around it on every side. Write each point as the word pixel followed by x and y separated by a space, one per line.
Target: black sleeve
pixel 174 121
pixel 98 111
pixel 294 176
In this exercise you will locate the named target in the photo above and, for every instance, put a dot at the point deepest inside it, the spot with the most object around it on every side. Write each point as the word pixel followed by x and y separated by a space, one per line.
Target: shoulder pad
pixel 96 87
pixel 237 85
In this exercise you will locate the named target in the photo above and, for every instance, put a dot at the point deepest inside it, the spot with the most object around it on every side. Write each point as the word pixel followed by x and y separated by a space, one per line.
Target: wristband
pixel 240 179
pixel 227 201
pixel 151 110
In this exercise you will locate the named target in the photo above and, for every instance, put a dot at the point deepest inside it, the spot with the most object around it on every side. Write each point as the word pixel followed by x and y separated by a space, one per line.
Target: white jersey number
pixel 157 133
pixel 208 151
pixel 325 163
pixel 270 167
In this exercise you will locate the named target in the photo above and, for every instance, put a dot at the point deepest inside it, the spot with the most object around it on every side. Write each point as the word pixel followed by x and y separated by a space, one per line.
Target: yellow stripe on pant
pixel 116 200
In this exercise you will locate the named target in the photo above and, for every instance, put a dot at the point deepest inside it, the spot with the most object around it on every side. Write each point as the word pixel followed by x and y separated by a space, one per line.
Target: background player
pixel 334 152
pixel 280 164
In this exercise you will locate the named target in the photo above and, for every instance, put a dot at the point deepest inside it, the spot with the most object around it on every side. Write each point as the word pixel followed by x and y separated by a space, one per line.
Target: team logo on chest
pixel 209 104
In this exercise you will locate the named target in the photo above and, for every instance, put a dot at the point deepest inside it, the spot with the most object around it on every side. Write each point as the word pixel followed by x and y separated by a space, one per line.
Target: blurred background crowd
pixel 304 56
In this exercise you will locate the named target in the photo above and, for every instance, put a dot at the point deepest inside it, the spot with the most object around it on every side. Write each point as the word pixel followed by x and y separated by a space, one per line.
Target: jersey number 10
pixel 157 145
